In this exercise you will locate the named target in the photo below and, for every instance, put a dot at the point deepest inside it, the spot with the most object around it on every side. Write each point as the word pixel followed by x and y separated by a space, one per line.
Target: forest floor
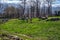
pixel 37 30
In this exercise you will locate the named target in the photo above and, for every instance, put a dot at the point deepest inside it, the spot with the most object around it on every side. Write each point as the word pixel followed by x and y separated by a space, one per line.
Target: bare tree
pixel 38 10
pixel 10 12
pixel 49 2
pixel 44 14
pixel 31 11
pixel 24 3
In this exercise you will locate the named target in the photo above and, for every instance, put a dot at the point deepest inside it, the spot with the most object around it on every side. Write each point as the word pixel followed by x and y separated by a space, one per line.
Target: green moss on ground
pixel 37 30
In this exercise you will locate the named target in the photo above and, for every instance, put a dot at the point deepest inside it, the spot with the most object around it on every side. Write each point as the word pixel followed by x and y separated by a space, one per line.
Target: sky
pixel 56 3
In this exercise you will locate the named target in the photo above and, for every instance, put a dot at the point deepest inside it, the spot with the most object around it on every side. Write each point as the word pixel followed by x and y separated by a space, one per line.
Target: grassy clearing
pixel 38 30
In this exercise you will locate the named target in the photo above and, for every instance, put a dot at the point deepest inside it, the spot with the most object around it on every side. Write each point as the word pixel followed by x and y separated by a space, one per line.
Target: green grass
pixel 37 30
